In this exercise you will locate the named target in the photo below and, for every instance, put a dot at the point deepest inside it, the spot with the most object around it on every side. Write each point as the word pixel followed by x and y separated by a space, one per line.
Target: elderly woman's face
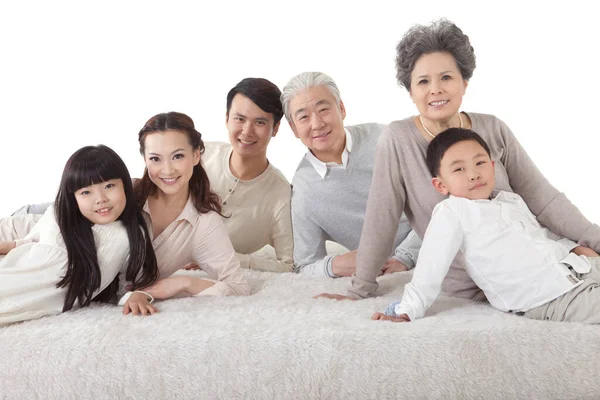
pixel 318 121
pixel 437 87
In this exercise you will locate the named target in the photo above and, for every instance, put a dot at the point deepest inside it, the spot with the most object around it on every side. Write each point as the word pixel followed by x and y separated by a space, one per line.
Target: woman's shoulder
pixel 399 130
pixel 485 122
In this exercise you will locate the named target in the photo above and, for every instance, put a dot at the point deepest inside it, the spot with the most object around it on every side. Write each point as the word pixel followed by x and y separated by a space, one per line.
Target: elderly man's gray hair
pixel 305 81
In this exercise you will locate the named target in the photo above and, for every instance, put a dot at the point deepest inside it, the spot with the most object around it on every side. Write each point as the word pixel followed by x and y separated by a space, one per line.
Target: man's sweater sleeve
pixel 310 252
pixel 407 252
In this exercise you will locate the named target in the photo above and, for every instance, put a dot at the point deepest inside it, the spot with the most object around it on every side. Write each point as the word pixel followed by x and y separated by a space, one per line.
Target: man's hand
pixel 137 304
pixel 345 264
pixel 333 296
pixel 382 317
pixel 392 265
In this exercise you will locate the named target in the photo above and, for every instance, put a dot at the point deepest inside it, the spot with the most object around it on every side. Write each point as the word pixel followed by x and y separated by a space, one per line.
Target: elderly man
pixel 331 184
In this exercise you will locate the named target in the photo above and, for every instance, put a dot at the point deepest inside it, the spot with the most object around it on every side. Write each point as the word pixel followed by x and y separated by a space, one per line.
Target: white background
pixel 77 73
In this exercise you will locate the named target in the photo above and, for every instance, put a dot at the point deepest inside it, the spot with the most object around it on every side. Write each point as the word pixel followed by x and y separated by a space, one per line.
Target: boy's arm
pixel 442 241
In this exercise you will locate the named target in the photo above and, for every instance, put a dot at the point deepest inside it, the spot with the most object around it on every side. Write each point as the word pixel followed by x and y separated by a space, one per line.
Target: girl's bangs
pixel 88 170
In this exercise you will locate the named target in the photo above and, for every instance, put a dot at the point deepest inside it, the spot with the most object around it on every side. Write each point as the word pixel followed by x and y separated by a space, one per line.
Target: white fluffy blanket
pixel 280 343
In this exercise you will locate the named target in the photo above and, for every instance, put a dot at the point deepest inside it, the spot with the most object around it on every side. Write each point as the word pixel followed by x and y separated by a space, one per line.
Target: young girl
pixel 75 252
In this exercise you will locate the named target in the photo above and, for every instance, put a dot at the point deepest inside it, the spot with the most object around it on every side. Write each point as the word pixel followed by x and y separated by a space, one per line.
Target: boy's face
pixel 466 171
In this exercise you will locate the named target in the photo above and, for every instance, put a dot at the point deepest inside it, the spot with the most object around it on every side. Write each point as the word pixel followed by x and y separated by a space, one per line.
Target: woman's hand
pixel 168 287
pixel 137 304
pixel 382 317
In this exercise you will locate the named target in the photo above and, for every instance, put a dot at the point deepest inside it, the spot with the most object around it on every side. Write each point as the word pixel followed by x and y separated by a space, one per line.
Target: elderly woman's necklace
pixel 431 134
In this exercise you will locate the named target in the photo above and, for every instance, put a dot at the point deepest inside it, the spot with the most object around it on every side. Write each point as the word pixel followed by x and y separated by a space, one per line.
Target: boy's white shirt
pixel 518 263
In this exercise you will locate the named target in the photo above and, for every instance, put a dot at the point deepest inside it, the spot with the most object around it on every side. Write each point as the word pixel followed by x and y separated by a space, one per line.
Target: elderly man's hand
pixel 392 265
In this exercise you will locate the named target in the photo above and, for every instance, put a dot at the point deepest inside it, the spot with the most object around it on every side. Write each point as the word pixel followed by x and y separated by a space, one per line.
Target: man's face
pixel 250 128
pixel 318 121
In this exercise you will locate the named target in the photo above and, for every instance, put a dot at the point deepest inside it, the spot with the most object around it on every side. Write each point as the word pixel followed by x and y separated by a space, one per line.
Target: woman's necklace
pixel 431 134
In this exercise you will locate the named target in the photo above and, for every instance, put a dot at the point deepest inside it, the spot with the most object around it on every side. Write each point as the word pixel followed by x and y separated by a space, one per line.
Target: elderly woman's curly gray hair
pixel 441 36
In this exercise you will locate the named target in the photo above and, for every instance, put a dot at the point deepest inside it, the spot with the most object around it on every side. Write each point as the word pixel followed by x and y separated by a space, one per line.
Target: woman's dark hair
pixel 446 139
pixel 88 166
pixel 204 199
pixel 441 36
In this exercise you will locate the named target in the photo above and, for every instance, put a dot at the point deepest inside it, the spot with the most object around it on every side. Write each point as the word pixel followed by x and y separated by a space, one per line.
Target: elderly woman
pixel 434 63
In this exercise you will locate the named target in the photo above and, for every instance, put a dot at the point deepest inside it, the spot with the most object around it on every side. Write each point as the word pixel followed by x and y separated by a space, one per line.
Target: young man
pixel 256 196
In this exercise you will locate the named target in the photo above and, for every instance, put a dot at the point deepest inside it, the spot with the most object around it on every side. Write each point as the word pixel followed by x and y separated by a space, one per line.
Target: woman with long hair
pixel 183 215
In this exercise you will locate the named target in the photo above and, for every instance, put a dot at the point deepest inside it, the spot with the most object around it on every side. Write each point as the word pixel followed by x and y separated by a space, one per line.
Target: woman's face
pixel 170 160
pixel 437 87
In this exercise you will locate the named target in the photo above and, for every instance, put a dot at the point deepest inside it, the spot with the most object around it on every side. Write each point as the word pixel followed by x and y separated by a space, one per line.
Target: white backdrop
pixel 74 74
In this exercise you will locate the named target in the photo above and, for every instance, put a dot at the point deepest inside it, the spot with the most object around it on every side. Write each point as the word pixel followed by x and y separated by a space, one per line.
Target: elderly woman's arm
pixel 551 207
pixel 384 209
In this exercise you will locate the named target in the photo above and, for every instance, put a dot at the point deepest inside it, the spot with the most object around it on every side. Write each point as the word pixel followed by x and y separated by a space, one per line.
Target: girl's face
pixel 170 160
pixel 102 203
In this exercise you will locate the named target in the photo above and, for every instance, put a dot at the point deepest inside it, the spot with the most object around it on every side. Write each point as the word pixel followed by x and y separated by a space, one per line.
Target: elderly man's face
pixel 318 121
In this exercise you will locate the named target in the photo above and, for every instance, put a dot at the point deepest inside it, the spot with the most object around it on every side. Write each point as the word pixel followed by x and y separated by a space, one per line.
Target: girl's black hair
pixel 88 166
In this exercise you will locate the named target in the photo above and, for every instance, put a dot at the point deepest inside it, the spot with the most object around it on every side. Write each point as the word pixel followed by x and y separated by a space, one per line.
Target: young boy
pixel 520 265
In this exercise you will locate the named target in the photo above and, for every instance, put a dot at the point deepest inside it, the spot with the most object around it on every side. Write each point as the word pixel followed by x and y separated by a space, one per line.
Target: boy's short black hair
pixel 446 139
pixel 265 94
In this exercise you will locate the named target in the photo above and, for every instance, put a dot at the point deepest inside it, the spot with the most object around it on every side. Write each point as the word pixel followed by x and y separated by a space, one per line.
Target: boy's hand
pixel 584 251
pixel 137 304
pixel 382 317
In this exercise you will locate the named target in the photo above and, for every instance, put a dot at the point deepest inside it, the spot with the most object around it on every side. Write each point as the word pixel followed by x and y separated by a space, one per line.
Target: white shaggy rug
pixel 279 343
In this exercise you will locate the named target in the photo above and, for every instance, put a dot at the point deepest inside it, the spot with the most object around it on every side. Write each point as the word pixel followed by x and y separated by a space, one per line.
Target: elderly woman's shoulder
pixel 397 130
pixel 484 119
